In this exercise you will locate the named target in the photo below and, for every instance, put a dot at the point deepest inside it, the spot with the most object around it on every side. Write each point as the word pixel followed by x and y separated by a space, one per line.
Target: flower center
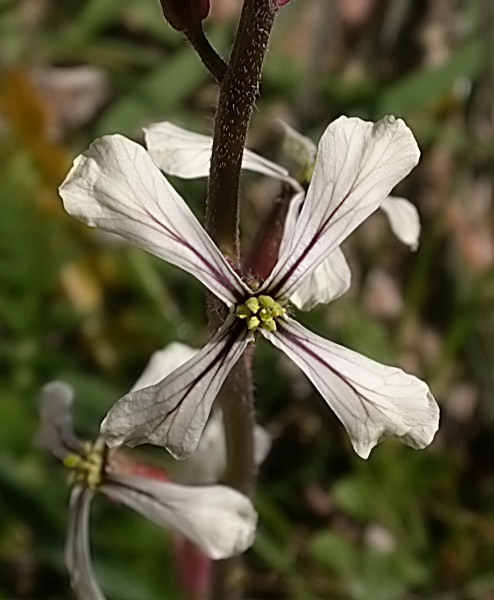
pixel 260 311
pixel 88 466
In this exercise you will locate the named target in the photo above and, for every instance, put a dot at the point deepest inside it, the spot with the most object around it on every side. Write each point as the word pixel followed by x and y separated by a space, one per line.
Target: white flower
pixel 218 519
pixel 116 186
pixel 402 214
pixel 186 154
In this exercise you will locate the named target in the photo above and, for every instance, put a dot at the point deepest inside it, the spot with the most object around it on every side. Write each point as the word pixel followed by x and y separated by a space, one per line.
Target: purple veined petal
pixel 173 412
pixel 403 219
pixel 187 154
pixel 77 553
pixel 55 428
pixel 116 186
pixel 330 280
pixel 373 401
pixel 220 520
pixel 358 163
pixel 207 464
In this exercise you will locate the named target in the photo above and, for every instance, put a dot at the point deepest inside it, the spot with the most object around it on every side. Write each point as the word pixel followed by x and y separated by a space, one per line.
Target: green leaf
pixel 333 551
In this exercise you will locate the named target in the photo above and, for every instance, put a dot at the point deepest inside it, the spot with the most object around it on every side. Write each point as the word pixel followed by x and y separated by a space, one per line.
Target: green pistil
pixel 260 311
pixel 306 173
pixel 87 467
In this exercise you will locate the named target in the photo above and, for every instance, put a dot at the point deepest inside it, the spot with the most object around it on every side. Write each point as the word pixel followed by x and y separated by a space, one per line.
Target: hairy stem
pixel 238 417
pixel 238 92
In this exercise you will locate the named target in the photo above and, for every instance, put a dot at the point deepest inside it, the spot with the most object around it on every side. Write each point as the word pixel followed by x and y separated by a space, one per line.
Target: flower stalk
pixel 210 58
pixel 238 91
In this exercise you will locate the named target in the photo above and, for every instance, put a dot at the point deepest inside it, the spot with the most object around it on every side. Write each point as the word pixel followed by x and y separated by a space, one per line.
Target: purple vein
pixel 212 269
pixel 320 231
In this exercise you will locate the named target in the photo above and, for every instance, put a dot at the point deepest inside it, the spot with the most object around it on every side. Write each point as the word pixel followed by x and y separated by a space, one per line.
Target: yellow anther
pixel 252 304
pixel 94 470
pixel 242 312
pixel 88 466
pixel 71 461
pixel 253 323
pixel 269 324
pixel 278 311
pixel 260 311
pixel 267 302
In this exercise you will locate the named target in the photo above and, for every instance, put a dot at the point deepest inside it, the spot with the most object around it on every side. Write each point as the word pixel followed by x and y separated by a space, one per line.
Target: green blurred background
pixel 403 525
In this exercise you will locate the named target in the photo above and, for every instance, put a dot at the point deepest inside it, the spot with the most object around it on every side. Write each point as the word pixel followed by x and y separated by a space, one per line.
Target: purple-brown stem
pixel 210 58
pixel 238 91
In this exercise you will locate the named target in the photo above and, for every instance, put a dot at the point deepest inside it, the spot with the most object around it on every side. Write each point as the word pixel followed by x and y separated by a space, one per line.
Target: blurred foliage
pixel 80 307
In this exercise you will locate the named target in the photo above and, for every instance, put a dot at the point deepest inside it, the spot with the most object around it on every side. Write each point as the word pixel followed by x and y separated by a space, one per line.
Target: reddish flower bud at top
pixel 185 14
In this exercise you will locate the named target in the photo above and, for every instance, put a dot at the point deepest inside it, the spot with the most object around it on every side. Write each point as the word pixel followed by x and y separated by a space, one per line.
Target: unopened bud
pixel 185 14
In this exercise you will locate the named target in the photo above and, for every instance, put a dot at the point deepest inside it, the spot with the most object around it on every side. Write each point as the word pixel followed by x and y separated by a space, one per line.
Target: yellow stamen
pixel 253 323
pixel 88 467
pixel 260 311
pixel 252 304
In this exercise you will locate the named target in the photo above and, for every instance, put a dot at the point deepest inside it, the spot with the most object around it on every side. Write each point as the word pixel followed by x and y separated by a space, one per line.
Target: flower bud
pixel 185 14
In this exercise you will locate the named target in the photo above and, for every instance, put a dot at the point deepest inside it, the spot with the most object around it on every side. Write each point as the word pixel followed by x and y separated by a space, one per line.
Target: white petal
pixel 208 463
pixel 77 553
pixel 55 429
pixel 291 221
pixel 220 520
pixel 373 401
pixel 116 186
pixel 162 363
pixel 330 280
pixel 262 445
pixel 357 165
pixel 254 162
pixel 173 412
pixel 404 220
pixel 178 151
pixel 187 154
